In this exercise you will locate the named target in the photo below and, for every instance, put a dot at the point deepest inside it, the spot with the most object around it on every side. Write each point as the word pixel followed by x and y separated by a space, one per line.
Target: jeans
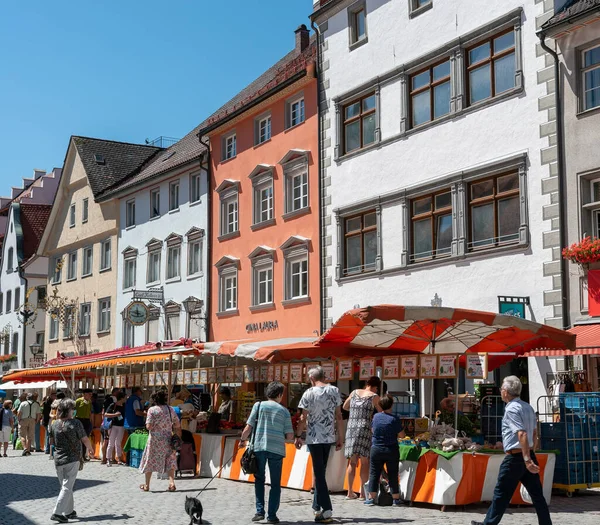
pixel 87 426
pixel 390 457
pixel 321 501
pixel 47 444
pixel 36 432
pixel 15 435
pixel 513 471
pixel 115 441
pixel 275 462
pixel 67 474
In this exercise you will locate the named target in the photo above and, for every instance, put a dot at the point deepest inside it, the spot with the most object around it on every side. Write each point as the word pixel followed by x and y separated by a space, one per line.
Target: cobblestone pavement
pixel 110 496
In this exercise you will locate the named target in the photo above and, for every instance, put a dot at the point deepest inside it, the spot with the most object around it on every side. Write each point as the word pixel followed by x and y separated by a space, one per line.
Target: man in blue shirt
pixel 272 427
pixel 134 412
pixel 519 435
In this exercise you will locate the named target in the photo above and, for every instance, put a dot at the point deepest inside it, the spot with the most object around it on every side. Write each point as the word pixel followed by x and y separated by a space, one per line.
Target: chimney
pixel 302 38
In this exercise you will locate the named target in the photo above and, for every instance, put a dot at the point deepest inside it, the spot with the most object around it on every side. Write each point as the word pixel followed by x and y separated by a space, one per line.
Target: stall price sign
pixel 137 380
pixel 309 367
pixel 285 373
pixel 238 374
pixel 329 370
pixel 187 377
pixel 367 368
pixel 296 372
pixel 249 374
pixel 180 377
pixel 447 366
pixel 203 376
pixel 409 367
pixel 277 373
pixel 264 373
pixel 345 369
pixel 102 382
pixel 212 375
pixel 130 380
pixel 229 374
pixel 144 380
pixel 476 366
pixel 151 378
pixel 109 383
pixel 196 377
pixel 271 373
pixel 391 367
pixel 428 366
pixel 221 375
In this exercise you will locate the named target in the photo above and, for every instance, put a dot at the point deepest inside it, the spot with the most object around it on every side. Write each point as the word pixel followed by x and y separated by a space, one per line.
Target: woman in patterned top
pixel 361 404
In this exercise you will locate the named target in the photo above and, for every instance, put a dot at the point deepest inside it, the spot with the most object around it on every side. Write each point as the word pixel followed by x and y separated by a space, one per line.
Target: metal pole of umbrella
pixel 169 383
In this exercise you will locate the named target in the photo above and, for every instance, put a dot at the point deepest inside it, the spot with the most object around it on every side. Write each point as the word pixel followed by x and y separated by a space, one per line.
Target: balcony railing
pixel 162 142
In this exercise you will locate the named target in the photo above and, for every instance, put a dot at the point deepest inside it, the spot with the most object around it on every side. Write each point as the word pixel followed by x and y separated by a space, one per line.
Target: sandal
pixel 145 488
pixel 172 488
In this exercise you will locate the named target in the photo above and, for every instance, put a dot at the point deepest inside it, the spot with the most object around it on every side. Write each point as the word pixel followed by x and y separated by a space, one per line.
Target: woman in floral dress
pixel 361 404
pixel 158 455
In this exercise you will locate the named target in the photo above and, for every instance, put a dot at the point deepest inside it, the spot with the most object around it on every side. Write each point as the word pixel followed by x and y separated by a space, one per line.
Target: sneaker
pixel 59 518
pixel 24 453
pixel 109 464
pixel 398 503
pixel 72 515
pixel 369 502
pixel 258 517
pixel 273 520
pixel 476 523
pixel 319 518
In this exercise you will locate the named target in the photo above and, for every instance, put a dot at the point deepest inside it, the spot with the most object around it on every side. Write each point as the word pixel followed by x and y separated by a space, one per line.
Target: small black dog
pixel 193 507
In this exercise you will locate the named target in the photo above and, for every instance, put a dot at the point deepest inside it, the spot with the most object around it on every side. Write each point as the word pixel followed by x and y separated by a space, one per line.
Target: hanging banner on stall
pixel 329 370
pixel 277 373
pixel 428 366
pixel 187 377
pixel 285 373
pixel 221 374
pixel 180 377
pixel 476 366
pixel 271 373
pixel 409 367
pixel 109 383
pixel 212 375
pixel 447 366
pixel 309 367
pixel 264 373
pixel 144 380
pixel 367 368
pixel 391 367
pixel 196 376
pixel 345 370
pixel 102 382
pixel 238 374
pixel 229 374
pixel 151 378
pixel 296 372
pixel 249 374
pixel 137 380
pixel 130 380
pixel 202 376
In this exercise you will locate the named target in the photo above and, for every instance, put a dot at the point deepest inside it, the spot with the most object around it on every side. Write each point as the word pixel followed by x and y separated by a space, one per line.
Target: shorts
pixel 5 434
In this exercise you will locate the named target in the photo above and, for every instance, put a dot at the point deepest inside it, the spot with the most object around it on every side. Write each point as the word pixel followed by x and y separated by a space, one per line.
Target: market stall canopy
pixel 11 385
pixel 587 343
pixel 257 350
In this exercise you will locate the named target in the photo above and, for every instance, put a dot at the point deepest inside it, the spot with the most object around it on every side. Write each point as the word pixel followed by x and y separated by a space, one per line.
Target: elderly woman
pixel 158 455
pixel 7 422
pixel 67 435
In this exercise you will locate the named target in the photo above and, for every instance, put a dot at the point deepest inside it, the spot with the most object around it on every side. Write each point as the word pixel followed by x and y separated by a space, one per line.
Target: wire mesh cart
pixel 570 424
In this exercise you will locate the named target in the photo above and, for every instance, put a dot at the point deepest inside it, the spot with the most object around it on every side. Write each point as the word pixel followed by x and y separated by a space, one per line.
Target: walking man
pixel 519 436
pixel 83 412
pixel 272 426
pixel 321 415
pixel 28 415
pixel 15 409
pixel 38 421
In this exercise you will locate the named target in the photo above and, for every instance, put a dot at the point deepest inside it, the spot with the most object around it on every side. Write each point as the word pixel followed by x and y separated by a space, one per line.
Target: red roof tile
pixel 34 218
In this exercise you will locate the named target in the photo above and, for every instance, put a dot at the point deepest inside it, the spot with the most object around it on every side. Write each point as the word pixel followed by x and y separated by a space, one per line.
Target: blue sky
pixel 126 69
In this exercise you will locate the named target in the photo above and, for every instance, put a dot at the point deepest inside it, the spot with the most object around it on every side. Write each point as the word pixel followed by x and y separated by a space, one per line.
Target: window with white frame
pixel 155 203
pixel 130 213
pixel 154 253
pixel 295 111
pixel 195 187
pixel 85 210
pixel 152 325
pixel 194 243
pixel 228 286
pixel 128 334
pixel 590 73
pixel 85 316
pixel 39 339
pixel 262 129
pixel 229 147
pixel 174 261
pixel 88 261
pixel 56 269
pixel 229 213
pixel 105 255
pixel 174 195
pixel 72 266
pixel 68 322
pixel 53 325
pixel 129 269
pixel 296 185
pixel 173 313
pixel 72 216
pixel 262 281
pixel 297 277
pixel 262 183
pixel 104 315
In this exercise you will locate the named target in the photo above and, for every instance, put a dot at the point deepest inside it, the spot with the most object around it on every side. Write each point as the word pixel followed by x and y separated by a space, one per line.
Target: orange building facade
pixel 265 251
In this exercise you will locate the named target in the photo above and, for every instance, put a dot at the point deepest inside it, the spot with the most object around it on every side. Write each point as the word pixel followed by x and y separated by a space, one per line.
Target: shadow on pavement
pixel 103 517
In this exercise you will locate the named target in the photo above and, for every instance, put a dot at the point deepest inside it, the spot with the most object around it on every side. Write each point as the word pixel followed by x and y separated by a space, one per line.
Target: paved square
pixel 110 496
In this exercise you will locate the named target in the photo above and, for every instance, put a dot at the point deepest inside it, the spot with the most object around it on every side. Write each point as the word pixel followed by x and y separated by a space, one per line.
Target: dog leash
pixel 217 473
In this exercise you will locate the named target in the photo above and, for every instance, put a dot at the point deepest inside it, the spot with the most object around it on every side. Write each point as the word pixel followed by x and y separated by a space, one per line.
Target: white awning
pixel 10 385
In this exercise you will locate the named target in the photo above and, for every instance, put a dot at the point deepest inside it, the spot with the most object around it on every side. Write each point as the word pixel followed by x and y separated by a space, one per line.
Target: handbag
pixel 107 421
pixel 248 460
pixel 176 441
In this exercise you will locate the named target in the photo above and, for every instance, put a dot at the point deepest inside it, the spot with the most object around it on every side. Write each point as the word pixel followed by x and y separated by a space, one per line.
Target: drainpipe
pixel 24 341
pixel 562 193
pixel 208 239
pixel 322 288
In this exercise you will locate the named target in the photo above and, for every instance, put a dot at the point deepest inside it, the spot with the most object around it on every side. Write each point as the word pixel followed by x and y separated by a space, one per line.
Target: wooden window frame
pixel 360 118
pixel 354 30
pixel 356 233
pixel 583 71
pixel 491 59
pixel 431 87
pixel 495 198
pixel 433 214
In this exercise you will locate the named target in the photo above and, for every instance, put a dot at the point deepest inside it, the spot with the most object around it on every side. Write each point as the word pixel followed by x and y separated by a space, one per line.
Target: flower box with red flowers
pixel 584 252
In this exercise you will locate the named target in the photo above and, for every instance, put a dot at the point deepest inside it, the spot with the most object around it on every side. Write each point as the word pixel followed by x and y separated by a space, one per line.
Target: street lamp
pixel 36 348
pixel 191 305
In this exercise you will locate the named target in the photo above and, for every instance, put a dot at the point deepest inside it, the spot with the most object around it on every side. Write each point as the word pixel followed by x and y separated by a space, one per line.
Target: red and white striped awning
pixel 258 350
pixel 587 343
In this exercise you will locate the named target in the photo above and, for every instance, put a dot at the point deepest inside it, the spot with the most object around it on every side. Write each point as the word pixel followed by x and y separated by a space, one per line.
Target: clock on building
pixel 137 313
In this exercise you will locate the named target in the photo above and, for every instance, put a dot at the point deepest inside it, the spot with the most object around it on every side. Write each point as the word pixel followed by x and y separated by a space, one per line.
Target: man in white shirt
pixel 28 414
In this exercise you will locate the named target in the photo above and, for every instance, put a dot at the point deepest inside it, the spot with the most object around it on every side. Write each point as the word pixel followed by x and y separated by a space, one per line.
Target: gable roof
pixel 292 64
pixel 187 149
pixel 121 160
pixel 571 10
pixel 34 219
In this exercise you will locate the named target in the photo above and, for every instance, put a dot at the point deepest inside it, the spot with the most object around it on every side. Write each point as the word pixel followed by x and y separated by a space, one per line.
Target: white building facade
pixel 434 166
pixel 162 245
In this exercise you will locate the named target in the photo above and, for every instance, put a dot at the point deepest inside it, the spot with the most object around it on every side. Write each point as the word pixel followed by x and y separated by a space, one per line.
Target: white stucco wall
pixel 179 222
